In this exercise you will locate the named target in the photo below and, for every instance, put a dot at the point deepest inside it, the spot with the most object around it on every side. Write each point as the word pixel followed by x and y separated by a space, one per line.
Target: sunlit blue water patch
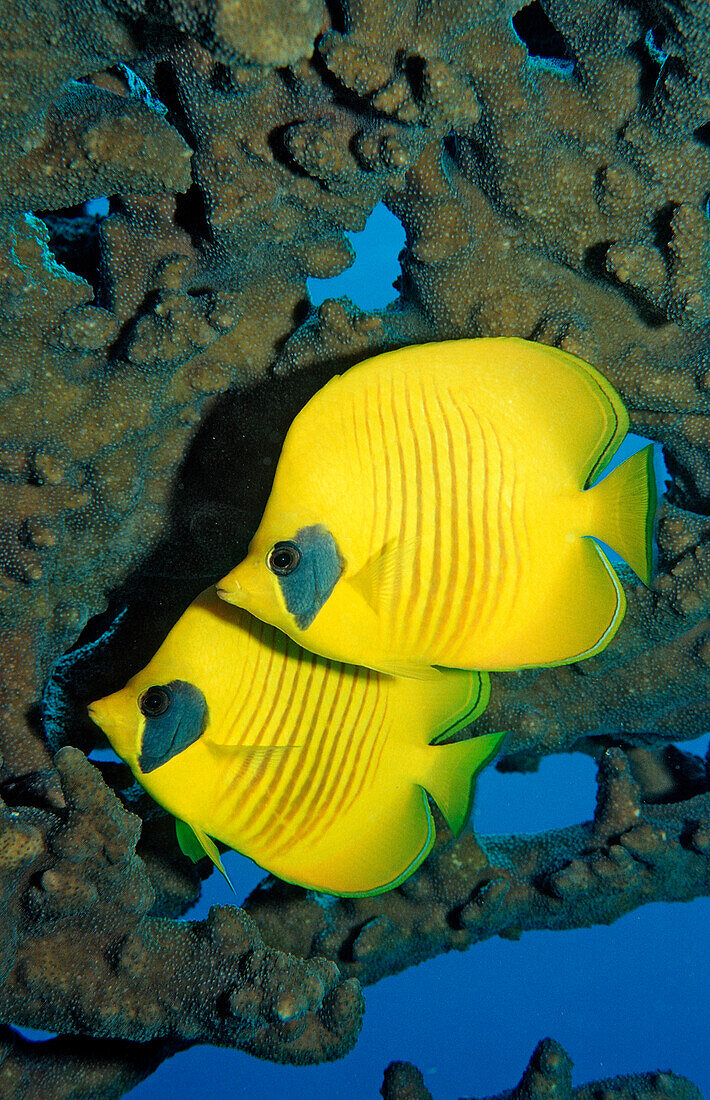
pixel 104 756
pixel 561 792
pixel 368 282
pixel 34 1034
pixel 698 746
pixel 97 208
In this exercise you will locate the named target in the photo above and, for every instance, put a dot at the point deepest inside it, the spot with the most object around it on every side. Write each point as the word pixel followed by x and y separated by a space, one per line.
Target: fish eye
pixel 154 702
pixel 283 558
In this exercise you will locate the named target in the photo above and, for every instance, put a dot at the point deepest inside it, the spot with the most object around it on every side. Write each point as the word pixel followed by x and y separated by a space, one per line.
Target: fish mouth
pixel 229 594
pixel 97 714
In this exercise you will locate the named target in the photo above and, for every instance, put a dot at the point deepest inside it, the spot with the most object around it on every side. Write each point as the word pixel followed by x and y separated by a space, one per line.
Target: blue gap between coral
pixel 368 282
pixel 97 208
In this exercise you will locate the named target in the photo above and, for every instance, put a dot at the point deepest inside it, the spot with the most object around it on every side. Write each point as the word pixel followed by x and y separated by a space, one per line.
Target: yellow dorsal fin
pixel 596 420
pixel 624 508
pixel 451 772
pixel 195 844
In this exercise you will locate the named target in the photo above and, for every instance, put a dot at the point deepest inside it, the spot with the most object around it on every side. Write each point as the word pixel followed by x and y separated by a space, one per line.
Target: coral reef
pixel 549 162
pixel 549 1073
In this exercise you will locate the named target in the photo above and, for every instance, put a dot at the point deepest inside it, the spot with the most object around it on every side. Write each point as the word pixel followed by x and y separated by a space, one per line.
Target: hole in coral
pixel 662 230
pixel 337 10
pixel 415 69
pixel 561 792
pixel 368 282
pixel 699 746
pixel 74 240
pixel 34 1034
pixel 191 215
pixel 702 133
pixel 595 265
pixel 651 59
pixel 543 41
pixel 167 88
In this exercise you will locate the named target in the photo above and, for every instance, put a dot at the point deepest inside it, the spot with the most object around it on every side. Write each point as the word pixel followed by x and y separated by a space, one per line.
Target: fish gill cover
pixel 151 362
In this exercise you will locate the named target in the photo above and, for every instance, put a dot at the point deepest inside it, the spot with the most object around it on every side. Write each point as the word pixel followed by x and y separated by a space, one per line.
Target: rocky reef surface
pixel 549 162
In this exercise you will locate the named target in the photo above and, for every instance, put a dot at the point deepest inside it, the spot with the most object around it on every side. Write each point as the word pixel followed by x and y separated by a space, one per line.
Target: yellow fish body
pixel 316 770
pixel 430 507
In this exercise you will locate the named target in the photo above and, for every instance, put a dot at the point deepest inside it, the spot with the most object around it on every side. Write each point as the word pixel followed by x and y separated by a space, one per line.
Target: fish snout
pixel 95 712
pixel 110 715
pixel 230 589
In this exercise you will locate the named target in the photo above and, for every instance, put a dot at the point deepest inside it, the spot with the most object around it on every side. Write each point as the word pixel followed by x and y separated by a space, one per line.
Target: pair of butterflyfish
pixel 431 519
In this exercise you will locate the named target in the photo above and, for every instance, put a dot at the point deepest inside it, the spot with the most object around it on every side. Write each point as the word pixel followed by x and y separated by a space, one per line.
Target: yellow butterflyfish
pixel 435 505
pixel 317 770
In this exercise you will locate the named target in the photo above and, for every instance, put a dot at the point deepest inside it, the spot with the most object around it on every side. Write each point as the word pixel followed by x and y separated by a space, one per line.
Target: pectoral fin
pixel 247 758
pixel 379 577
pixel 409 670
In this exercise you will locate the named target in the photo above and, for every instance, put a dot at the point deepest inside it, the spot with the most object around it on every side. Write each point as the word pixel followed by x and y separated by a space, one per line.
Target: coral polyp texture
pixel 549 163
pixel 549 1073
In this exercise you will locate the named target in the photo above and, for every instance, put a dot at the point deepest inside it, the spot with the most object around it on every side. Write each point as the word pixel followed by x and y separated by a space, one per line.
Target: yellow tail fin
pixel 451 774
pixel 625 504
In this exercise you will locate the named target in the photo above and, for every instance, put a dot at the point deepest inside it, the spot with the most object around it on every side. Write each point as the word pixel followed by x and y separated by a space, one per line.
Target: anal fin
pixel 195 844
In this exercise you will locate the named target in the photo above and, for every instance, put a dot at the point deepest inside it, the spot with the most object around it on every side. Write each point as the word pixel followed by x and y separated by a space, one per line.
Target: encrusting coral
pixel 549 163
pixel 548 1074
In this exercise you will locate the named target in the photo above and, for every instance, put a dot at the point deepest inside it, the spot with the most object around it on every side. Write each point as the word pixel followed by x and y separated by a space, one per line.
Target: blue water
pixel 368 282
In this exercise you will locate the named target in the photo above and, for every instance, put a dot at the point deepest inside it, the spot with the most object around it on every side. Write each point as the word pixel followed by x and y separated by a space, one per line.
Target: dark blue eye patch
pixel 306 589
pixel 182 723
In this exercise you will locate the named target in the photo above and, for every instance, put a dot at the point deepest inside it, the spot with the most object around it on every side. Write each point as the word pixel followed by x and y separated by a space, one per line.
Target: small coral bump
pixel 40 534
pixel 403 1081
pixel 68 888
pixel 644 841
pixel 232 930
pixel 47 468
pixel 133 955
pixel 371 938
pixel 418 888
pixel 333 316
pixel 620 857
pixel 571 880
pixel 19 844
pixel 485 898
pixel 88 328
pixel 246 1002
pixel 548 1073
pixel 700 838
pixel 396 99
pixel 343 1007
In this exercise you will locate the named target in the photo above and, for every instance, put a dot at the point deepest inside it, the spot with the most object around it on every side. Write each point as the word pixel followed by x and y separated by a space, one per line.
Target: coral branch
pixel 549 1073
